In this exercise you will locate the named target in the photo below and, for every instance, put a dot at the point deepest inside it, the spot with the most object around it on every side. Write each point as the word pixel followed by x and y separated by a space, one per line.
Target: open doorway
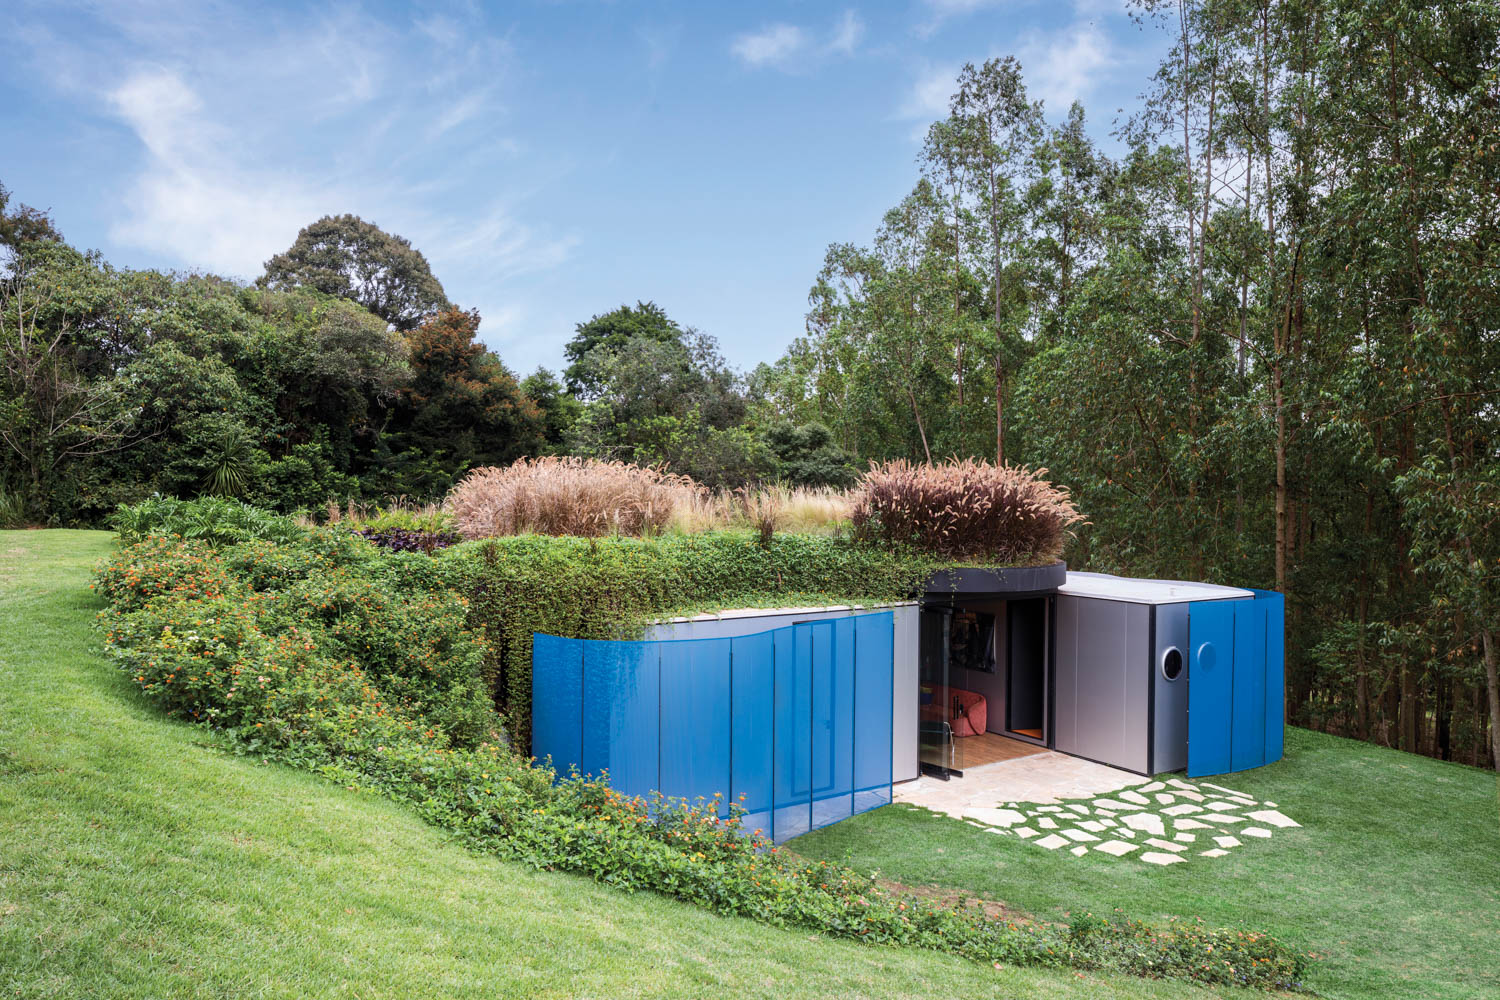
pixel 982 683
pixel 1026 669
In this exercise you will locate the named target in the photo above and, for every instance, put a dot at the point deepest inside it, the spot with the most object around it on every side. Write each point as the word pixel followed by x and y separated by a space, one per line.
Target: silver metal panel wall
pixel 1102 681
pixel 904 694
pixel 1170 736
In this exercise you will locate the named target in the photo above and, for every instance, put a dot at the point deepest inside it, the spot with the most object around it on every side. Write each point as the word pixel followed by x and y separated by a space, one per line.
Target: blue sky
pixel 552 160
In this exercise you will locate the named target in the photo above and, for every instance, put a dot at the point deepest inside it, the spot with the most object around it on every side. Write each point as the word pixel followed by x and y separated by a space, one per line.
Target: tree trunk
pixel 1492 682
pixel 999 411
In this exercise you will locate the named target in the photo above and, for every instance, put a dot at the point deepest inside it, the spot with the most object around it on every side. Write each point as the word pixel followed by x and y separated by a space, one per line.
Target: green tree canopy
pixel 345 256
pixel 612 331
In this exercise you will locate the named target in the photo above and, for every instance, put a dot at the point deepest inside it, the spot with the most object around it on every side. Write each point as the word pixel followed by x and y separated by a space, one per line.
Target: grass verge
pixel 1393 879
pixel 137 860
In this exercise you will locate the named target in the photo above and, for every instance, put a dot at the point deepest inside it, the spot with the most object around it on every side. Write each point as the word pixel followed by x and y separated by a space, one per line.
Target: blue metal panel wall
pixel 1236 678
pixel 791 778
pixel 1210 686
pixel 752 662
pixel 623 692
pixel 1247 735
pixel 793 723
pixel 875 638
pixel 557 668
pixel 1275 605
pixel 695 719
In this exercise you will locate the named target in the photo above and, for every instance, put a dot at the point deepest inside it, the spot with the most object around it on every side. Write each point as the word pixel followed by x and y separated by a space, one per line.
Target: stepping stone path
pixel 1149 823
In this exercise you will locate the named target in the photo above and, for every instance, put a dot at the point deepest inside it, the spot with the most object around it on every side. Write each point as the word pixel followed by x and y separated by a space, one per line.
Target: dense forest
pixel 1261 345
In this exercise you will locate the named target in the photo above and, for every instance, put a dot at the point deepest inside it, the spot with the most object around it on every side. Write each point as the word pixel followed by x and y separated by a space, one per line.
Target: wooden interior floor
pixel 990 748
pixel 1035 734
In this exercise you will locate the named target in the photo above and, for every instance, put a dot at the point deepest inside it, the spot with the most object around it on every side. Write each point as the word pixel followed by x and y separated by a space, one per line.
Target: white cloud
pixel 929 95
pixel 191 202
pixel 1067 65
pixel 228 174
pixel 769 46
pixel 847 33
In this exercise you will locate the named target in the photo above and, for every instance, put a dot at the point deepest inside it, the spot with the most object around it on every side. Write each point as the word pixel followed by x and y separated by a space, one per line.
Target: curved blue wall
pixel 795 720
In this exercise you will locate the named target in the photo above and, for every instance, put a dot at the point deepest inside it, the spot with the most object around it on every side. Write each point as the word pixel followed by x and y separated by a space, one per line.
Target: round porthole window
pixel 1171 663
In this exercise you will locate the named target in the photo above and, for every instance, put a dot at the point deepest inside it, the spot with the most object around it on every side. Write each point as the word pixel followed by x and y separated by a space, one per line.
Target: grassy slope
pixel 138 861
pixel 1394 880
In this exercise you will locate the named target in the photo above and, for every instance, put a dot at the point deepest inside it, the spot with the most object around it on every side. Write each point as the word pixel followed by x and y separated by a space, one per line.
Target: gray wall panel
pixel 1102 688
pixel 1170 736
pixel 1135 722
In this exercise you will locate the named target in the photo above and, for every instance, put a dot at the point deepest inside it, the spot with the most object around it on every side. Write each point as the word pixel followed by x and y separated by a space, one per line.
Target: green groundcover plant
pixel 373 668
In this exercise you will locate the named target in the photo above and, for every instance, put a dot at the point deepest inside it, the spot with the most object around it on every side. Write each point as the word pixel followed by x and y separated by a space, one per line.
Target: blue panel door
pixel 1210 686
pixel 1248 729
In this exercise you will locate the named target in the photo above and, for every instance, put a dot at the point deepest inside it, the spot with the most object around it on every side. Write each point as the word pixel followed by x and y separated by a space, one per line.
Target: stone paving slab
pixel 1057 801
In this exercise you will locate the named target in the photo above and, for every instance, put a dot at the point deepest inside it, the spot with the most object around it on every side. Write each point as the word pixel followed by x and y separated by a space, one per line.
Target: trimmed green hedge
pixel 612 588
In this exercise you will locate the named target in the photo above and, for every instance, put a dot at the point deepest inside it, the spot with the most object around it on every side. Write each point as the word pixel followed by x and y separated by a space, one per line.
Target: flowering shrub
pixel 163 567
pixel 967 510
pixel 359 664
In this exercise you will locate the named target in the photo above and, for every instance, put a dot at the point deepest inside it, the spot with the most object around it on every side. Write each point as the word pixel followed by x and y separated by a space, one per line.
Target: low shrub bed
pixel 365 665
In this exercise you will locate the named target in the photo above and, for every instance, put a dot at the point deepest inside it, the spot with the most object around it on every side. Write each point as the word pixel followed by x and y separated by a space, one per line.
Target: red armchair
pixel 966 711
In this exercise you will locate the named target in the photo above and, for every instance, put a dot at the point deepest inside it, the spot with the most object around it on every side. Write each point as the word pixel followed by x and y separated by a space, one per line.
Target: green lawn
pixel 138 860
pixel 1394 879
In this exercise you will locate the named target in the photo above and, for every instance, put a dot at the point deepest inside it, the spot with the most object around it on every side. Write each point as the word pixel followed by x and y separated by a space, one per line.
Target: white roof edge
pixel 710 616
pixel 1137 591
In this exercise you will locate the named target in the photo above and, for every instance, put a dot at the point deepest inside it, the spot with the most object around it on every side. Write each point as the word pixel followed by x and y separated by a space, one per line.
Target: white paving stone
pixel 1187 794
pixel 1049 809
pixel 1146 822
pixel 1080 851
pixel 1222 818
pixel 1155 786
pixel 1091 825
pixel 1221 806
pixel 1115 847
pixel 1106 821
pixel 1047 823
pixel 1114 804
pixel 1227 841
pixel 1126 833
pixel 1135 797
pixel 1165 845
pixel 1025 832
pixel 1256 831
pixel 995 829
pixel 995 817
pixel 1273 818
pixel 1165 798
pixel 1078 835
pixel 1185 838
pixel 1053 842
pixel 1184 823
pixel 1161 858
pixel 1079 808
pixel 1221 788
pixel 1182 809
pixel 1215 853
